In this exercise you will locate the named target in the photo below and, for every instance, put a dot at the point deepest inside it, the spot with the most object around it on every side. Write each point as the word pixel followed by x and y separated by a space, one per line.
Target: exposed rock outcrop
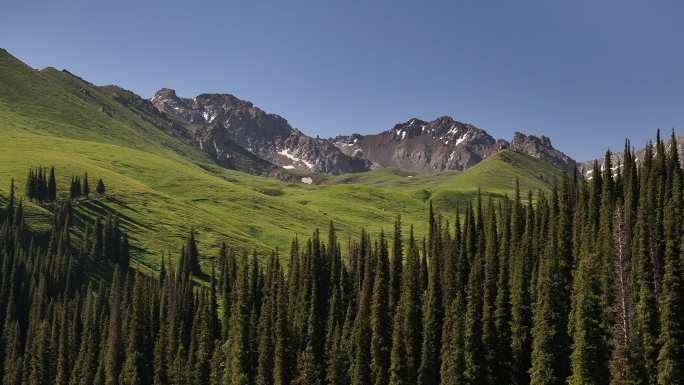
pixel 224 119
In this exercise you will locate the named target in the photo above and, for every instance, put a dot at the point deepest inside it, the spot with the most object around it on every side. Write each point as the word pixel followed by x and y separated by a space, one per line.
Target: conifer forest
pixel 579 285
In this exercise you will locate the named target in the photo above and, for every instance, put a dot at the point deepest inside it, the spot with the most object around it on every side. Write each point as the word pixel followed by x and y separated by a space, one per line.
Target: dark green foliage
pixel 407 334
pixel 453 357
pixel 381 326
pixel 106 242
pixel 190 256
pixel 52 186
pixel 428 372
pixel 40 186
pixel 589 356
pixel 75 188
pixel 114 343
pixel 85 189
pixel 671 355
pixel 100 188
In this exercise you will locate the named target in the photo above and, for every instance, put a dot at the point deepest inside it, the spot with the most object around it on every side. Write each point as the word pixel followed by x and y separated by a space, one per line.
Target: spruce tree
pixel 646 312
pixel 282 348
pixel 85 190
pixel 546 355
pixel 491 275
pixel 100 188
pixel 411 312
pixel 502 313
pixel 52 186
pixel 396 267
pixel 237 365
pixel 453 353
pixel 381 327
pixel 398 360
pixel 361 371
pixel 590 353
pixel 521 307
pixel 12 368
pixel 671 339
pixel 433 314
pixel 133 371
pixel 39 368
pixel 114 346
pixel 191 255
pixel 473 349
pixel 337 367
pixel 307 372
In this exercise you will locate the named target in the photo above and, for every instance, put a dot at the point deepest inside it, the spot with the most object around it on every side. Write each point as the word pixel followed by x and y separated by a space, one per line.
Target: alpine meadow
pixel 194 238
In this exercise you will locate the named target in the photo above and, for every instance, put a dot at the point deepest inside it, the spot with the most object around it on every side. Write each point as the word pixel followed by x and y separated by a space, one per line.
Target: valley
pixel 163 186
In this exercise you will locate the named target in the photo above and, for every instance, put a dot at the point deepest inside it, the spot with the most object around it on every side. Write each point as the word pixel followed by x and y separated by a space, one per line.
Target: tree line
pixel 580 285
pixel 41 185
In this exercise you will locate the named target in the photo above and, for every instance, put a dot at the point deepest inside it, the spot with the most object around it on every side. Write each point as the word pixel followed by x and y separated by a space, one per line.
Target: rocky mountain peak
pixel 541 148
pixel 225 119
pixel 437 145
pixel 409 129
pixel 165 93
pixel 166 96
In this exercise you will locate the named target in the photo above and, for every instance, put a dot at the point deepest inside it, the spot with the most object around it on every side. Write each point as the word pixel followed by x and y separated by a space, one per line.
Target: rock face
pixel 230 154
pixel 224 120
pixel 442 144
pixel 541 148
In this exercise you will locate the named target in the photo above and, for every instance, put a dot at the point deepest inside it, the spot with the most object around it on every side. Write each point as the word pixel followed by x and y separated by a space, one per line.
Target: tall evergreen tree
pixel 238 356
pixel 114 355
pixel 381 326
pixel 396 267
pixel 100 188
pixel 85 190
pixel 473 349
pixel 489 286
pixel 671 339
pixel 646 313
pixel 546 355
pixel 502 312
pixel 521 307
pixel 590 354
pixel 52 186
pixel 433 314
pixel 453 350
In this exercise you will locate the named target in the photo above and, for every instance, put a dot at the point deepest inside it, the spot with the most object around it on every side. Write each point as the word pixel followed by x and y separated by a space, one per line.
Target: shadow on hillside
pixel 123 204
pixel 85 212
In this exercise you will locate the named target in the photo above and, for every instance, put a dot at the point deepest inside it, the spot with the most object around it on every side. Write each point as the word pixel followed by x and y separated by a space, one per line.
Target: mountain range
pixel 435 146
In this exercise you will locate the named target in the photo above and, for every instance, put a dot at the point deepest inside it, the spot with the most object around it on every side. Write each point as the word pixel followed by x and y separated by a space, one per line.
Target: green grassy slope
pixel 161 187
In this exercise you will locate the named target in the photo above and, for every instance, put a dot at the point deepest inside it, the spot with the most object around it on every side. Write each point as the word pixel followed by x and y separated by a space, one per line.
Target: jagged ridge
pixel 443 144
pixel 225 119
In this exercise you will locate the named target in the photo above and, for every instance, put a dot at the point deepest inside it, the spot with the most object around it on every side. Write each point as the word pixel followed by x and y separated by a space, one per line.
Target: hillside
pixel 162 187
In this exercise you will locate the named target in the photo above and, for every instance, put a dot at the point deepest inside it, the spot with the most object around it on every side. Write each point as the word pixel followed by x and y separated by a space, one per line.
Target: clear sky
pixel 585 73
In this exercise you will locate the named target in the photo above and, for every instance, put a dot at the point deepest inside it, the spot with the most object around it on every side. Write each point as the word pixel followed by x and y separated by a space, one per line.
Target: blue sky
pixel 585 73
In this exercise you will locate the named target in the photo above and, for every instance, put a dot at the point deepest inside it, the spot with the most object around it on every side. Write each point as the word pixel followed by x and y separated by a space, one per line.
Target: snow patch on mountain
pixel 461 139
pixel 286 153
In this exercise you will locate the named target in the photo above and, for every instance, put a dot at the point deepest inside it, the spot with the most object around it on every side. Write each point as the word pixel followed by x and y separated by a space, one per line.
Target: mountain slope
pixel 162 186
